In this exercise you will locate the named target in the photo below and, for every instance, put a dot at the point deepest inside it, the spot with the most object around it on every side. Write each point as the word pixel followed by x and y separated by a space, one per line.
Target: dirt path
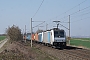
pixel 3 42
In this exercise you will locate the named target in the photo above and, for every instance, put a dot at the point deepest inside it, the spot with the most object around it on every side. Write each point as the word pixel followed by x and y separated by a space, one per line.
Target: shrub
pixel 14 33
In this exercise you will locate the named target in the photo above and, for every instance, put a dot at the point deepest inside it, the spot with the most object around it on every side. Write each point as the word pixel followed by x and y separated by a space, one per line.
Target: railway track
pixel 80 53
pixel 65 54
pixel 77 54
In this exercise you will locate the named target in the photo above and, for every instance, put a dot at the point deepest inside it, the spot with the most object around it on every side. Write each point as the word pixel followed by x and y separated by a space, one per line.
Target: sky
pixel 20 12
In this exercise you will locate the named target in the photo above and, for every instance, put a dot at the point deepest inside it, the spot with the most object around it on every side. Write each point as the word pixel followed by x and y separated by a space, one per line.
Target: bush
pixel 14 33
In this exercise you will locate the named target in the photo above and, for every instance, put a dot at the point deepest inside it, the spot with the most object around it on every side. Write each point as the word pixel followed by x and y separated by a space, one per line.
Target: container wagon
pixel 40 37
pixel 36 37
pixel 28 37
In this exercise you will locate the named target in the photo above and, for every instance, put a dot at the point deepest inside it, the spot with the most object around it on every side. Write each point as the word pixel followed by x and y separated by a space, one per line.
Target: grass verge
pixel 2 37
pixel 81 42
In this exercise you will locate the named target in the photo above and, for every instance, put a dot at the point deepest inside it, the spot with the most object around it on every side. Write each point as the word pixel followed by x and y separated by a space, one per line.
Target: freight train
pixel 55 37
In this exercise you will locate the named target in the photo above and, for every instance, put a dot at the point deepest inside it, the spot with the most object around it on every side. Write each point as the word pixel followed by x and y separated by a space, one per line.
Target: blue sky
pixel 19 13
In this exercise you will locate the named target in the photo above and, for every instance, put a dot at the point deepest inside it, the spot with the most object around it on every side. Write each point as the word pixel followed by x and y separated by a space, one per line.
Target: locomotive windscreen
pixel 59 33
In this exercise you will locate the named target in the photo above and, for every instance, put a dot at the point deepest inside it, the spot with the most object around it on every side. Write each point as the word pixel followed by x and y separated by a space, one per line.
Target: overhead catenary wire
pixel 80 10
pixel 37 21
pixel 80 19
pixel 64 26
pixel 39 24
pixel 38 9
pixel 75 12
pixel 81 15
pixel 70 9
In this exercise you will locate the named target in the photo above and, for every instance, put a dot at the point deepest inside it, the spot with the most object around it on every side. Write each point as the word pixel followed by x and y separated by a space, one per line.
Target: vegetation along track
pixel 69 53
pixel 77 54
pixel 81 53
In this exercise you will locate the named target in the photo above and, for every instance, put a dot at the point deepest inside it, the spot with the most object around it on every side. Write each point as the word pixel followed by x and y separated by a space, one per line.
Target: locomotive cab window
pixel 59 33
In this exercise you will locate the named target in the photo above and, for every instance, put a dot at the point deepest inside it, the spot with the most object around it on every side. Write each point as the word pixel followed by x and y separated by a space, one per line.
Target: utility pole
pixel 31 32
pixel 69 30
pixel 25 33
pixel 25 29
pixel 33 27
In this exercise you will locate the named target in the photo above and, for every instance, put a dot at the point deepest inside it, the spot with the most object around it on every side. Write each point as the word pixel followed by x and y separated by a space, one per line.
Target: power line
pixel 38 9
pixel 82 14
pixel 76 12
pixel 39 24
pixel 71 8
pixel 80 10
pixel 37 21
pixel 80 19
pixel 76 5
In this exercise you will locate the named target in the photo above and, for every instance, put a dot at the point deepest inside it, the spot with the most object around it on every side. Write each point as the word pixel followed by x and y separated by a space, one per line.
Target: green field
pixel 85 42
pixel 2 37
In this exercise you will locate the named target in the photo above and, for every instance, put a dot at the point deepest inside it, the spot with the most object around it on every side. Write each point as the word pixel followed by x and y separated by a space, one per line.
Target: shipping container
pixel 36 37
pixel 40 37
pixel 33 36
pixel 47 37
pixel 28 36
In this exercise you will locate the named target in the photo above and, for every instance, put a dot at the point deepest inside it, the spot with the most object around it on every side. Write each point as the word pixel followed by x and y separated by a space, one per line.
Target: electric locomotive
pixel 59 37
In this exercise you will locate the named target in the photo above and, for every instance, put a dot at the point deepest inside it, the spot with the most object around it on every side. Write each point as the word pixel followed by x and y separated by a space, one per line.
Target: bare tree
pixel 14 33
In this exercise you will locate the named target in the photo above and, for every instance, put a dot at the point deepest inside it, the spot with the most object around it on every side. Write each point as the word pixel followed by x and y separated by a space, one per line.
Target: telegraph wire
pixel 38 9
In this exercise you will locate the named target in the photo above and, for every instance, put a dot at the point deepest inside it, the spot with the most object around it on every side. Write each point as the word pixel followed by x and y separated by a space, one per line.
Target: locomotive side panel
pixel 52 37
